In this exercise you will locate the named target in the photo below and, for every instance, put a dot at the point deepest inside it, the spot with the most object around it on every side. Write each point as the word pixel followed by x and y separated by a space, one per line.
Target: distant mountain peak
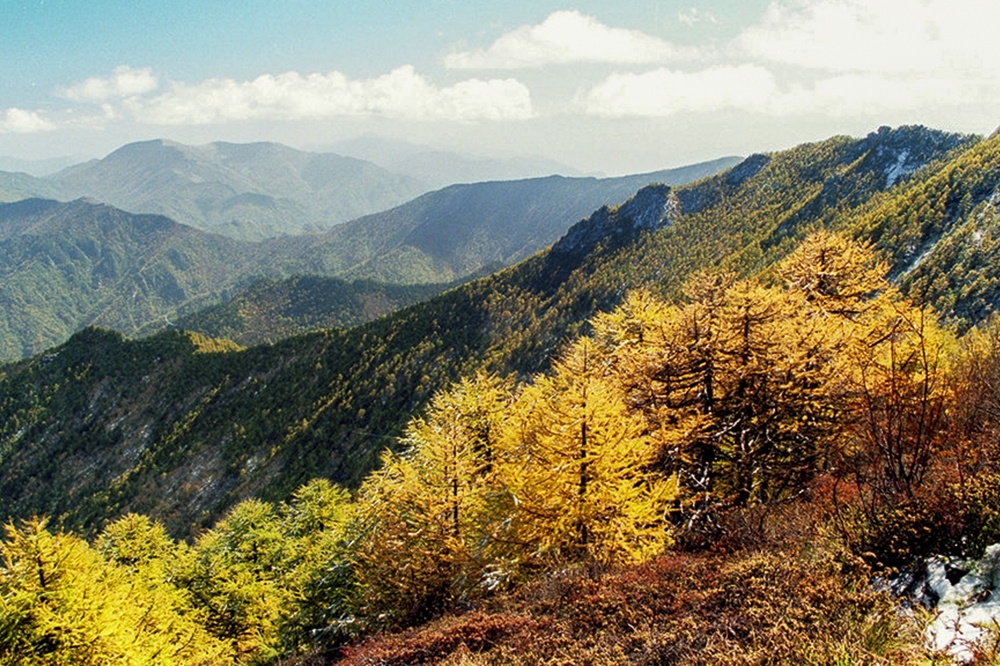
pixel 897 153
pixel 250 191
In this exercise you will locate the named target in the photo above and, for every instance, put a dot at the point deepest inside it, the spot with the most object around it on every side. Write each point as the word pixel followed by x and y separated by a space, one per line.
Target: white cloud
pixel 664 92
pixel 125 82
pixel 888 36
pixel 566 37
pixel 695 15
pixel 19 121
pixel 401 94
pixel 877 95
pixel 830 58
pixel 754 89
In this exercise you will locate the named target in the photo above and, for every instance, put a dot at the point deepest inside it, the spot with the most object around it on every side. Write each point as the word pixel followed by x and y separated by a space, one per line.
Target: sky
pixel 602 86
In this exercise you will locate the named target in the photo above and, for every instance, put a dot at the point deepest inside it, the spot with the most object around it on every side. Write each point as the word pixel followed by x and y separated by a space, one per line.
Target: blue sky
pixel 603 86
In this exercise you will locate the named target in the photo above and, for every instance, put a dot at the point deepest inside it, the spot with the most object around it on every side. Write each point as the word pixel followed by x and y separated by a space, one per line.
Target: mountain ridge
pixel 246 191
pixel 488 225
pixel 208 428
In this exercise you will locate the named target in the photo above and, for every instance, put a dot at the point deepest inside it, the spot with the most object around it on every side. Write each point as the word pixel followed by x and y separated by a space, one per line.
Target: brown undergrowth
pixel 782 598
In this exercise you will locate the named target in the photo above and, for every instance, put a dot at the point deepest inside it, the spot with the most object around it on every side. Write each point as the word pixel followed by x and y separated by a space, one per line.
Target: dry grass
pixel 746 608
pixel 774 591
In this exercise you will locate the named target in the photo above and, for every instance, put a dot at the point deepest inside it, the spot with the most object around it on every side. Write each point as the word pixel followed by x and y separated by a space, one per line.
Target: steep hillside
pixel 270 310
pixel 175 428
pixel 460 230
pixel 439 238
pixel 65 266
pixel 941 235
pixel 245 191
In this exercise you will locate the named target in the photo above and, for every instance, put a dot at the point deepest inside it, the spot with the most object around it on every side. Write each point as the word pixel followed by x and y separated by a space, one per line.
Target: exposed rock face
pixel 652 207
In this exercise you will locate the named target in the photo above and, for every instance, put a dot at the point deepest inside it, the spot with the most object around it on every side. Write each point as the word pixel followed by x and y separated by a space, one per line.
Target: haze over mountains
pixel 39 168
pixel 439 167
pixel 245 191
pixel 64 266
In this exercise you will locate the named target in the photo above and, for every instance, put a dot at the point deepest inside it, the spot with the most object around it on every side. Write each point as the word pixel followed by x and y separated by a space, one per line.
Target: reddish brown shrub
pixel 793 606
pixel 474 632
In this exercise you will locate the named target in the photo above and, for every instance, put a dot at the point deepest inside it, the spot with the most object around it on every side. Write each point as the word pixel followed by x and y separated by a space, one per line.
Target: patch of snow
pixel 967 611
pixel 919 260
pixel 995 198
pixel 897 170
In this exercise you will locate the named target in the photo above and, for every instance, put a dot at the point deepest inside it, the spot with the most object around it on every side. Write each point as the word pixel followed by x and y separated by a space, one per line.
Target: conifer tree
pixel 744 387
pixel 61 602
pixel 579 464
pixel 425 515
pixel 233 574
pixel 316 569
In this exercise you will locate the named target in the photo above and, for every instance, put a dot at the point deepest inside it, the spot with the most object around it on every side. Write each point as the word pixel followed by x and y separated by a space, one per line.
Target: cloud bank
pixel 915 37
pixel 19 121
pixel 664 92
pixel 125 82
pixel 836 58
pixel 562 38
pixel 401 94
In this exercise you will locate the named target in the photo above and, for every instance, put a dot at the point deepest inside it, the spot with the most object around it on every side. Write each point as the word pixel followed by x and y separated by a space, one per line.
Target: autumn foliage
pixel 595 496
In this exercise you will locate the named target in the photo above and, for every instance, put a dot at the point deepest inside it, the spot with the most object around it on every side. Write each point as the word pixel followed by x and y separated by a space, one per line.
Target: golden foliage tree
pixel 744 386
pixel 61 602
pixel 425 516
pixel 233 573
pixel 579 466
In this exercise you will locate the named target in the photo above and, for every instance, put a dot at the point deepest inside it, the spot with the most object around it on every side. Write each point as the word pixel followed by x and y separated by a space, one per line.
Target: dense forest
pixel 695 430
pixel 670 426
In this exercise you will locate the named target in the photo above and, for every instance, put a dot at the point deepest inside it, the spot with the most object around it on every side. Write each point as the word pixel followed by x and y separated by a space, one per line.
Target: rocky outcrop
pixel 964 598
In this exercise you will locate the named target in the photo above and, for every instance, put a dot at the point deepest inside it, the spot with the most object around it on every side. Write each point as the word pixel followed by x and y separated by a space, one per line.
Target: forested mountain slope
pixel 462 229
pixel 65 266
pixel 178 428
pixel 270 310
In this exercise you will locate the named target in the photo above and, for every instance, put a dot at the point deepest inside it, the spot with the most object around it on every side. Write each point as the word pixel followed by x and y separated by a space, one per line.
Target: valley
pixel 64 266
pixel 803 339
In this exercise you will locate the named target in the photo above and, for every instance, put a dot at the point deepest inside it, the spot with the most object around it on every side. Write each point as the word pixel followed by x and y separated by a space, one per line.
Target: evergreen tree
pixel 579 466
pixel 233 573
pixel 61 602
pixel 425 517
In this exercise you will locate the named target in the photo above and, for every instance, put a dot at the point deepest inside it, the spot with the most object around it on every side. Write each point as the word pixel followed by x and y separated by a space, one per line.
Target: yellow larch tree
pixel 62 602
pixel 744 387
pixel 580 468
pixel 424 518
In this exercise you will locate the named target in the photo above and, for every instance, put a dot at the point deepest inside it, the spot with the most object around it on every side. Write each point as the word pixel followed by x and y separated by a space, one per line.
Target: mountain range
pixel 246 191
pixel 181 426
pixel 440 168
pixel 68 265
